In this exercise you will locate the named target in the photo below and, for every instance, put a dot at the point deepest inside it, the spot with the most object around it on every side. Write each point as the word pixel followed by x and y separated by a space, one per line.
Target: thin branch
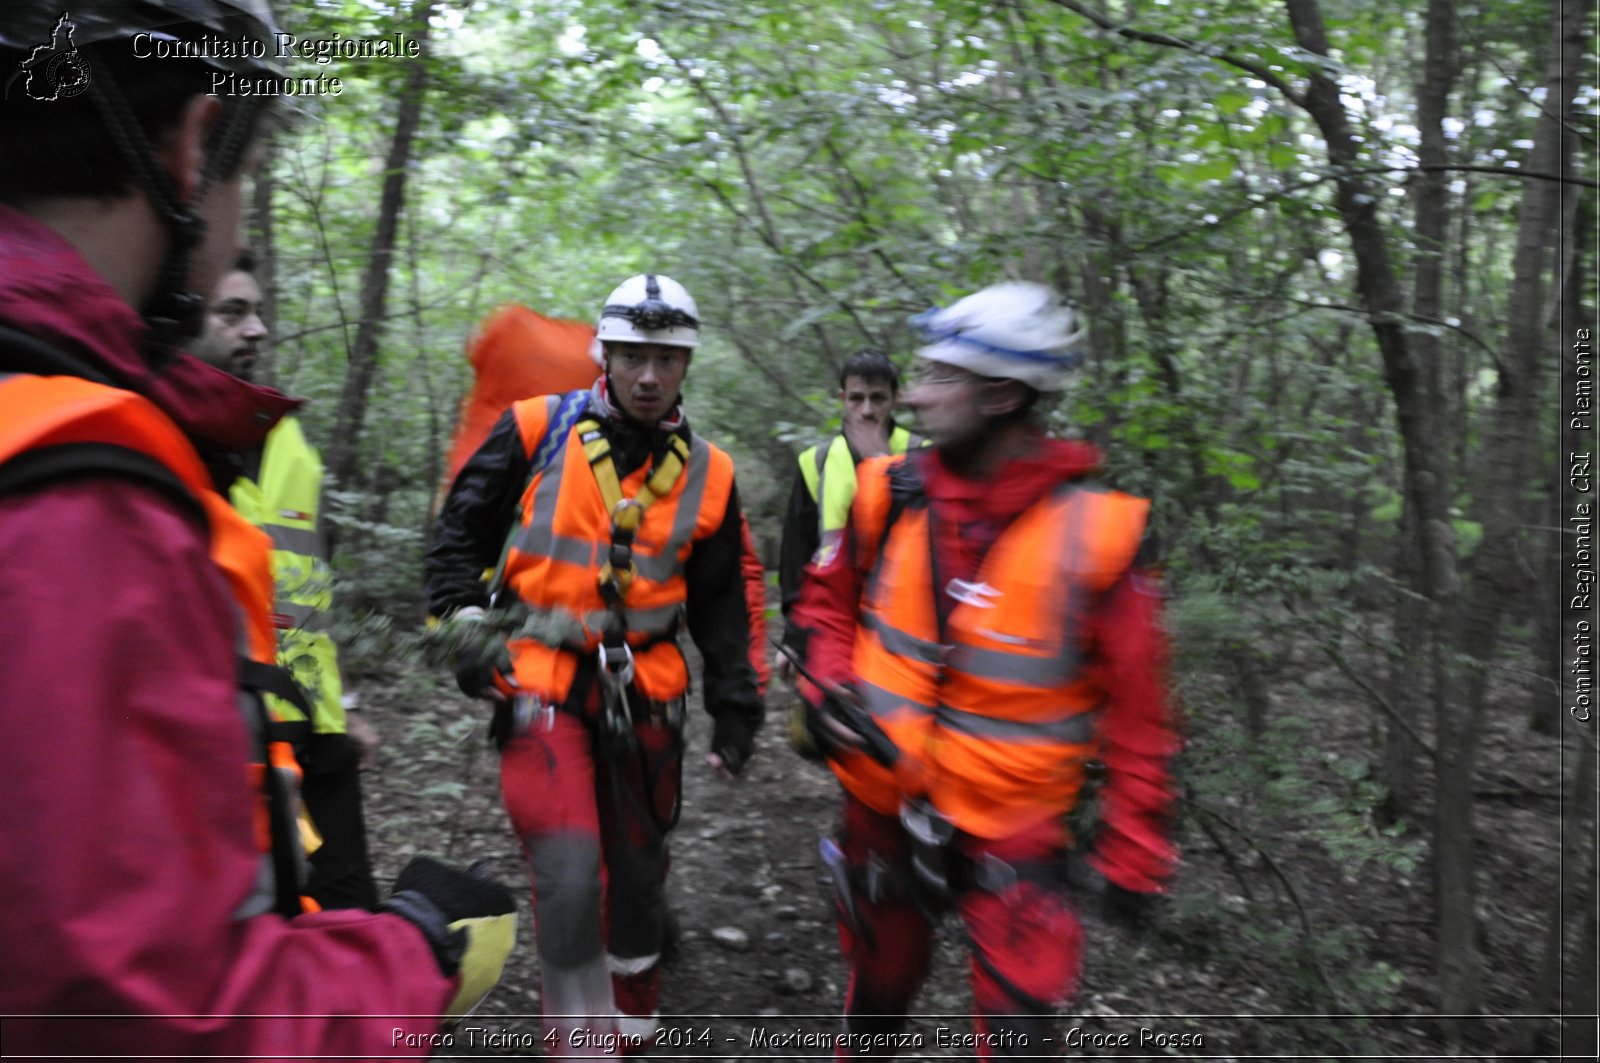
pixel 1228 858
pixel 1294 895
pixel 1503 171
pixel 1425 319
pixel 1270 197
pixel 1165 40
pixel 1378 699
pixel 1516 83
pixel 314 205
pixel 1349 672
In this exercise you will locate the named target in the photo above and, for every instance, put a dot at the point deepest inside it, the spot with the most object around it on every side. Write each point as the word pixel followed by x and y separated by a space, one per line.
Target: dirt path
pixel 758 975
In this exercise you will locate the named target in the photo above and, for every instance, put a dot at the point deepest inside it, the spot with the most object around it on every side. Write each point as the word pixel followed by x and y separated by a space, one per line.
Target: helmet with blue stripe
pixel 1012 331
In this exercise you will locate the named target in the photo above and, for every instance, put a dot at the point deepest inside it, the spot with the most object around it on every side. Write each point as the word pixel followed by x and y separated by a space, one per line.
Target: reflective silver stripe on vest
pixel 823 450
pixel 304 541
pixel 554 626
pixel 652 621
pixel 1076 729
pixel 885 703
pixel 903 643
pixel 300 616
pixel 822 474
pixel 536 539
pixel 1017 668
pixel 1053 669
pixel 539 541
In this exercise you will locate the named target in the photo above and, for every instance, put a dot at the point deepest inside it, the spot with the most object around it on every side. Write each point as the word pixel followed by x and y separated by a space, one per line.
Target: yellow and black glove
pixel 469 919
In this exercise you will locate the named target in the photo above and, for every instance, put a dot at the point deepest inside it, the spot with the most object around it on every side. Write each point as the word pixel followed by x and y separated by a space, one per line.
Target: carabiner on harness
pixel 615 673
pixel 627 514
pixel 616 665
pixel 931 856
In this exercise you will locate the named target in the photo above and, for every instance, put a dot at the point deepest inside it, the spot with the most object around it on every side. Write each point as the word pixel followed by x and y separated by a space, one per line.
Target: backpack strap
pixel 906 490
pixel 283 828
pixel 274 679
pixel 22 353
pixel 551 444
pixel 65 461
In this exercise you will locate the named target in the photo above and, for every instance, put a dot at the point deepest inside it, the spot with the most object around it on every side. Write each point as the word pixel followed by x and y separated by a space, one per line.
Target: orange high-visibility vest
pixel 38 412
pixel 564 538
pixel 997 721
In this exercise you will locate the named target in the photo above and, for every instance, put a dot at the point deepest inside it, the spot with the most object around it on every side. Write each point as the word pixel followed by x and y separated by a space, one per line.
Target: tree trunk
pixel 1500 572
pixel 1545 709
pixel 345 457
pixel 1408 681
pixel 1458 958
pixel 1407 687
pixel 1574 898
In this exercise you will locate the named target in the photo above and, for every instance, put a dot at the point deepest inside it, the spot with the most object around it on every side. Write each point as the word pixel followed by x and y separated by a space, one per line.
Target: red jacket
pixel 1137 738
pixel 128 837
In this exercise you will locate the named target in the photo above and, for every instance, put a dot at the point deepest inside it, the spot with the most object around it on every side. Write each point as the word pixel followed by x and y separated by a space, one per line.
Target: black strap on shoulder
pixel 22 353
pixel 907 490
pixel 42 465
pixel 282 825
pixel 275 680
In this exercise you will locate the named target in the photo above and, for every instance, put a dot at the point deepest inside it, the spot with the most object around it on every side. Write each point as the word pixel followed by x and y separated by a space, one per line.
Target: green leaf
pixel 1282 156
pixel 1214 170
pixel 1232 101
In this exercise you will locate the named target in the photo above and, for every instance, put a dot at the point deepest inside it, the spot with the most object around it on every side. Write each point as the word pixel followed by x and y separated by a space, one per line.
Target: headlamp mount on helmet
pixel 649 308
pixel 652 314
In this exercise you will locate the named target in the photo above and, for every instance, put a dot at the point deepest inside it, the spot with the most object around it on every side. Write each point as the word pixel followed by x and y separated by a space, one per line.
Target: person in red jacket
pixel 146 883
pixel 987 642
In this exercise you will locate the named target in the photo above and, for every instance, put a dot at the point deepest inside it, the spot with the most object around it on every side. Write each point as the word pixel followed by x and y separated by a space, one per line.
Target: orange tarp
pixel 518 354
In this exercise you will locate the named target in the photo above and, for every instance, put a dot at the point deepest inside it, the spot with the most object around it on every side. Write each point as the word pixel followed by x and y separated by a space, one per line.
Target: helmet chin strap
pixel 174 312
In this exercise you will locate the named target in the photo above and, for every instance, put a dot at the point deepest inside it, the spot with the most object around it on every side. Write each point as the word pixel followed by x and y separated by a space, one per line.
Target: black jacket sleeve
pixel 800 542
pixel 719 619
pixel 474 520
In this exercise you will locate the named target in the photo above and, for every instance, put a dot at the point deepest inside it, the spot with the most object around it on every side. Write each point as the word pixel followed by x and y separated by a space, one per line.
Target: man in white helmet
pixel 986 645
pixel 614 520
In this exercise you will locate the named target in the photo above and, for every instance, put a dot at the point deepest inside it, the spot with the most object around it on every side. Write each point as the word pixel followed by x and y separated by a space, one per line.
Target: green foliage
pixel 1307 829
pixel 817 173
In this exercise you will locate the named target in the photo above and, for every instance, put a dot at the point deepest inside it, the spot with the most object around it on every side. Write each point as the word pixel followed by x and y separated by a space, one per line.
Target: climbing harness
pixel 616 576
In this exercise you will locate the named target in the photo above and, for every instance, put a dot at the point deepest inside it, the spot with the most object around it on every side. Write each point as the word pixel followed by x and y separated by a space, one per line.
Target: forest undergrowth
pixel 1298 926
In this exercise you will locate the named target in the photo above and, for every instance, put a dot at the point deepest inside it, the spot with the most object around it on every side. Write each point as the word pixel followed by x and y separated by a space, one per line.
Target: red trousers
pixel 593 820
pixel 1025 940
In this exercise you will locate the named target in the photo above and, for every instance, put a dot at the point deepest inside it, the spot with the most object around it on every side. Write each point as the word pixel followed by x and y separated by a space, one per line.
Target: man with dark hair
pixel 617 524
pixel 150 879
pixel 278 488
pixel 825 480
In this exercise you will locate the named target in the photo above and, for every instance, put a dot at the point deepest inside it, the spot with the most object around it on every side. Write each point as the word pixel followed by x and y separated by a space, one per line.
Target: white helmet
pixel 1015 331
pixel 650 308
